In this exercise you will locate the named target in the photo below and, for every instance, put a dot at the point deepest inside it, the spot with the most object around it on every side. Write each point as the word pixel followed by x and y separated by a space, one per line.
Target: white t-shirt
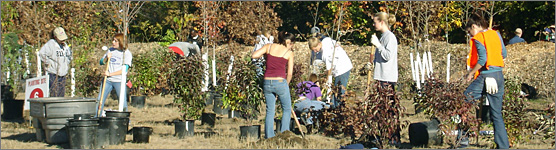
pixel 342 63
pixel 116 63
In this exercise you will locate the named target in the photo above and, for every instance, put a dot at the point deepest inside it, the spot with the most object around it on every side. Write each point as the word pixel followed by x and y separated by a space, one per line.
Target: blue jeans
pixel 340 80
pixel 107 89
pixel 273 88
pixel 56 85
pixel 475 91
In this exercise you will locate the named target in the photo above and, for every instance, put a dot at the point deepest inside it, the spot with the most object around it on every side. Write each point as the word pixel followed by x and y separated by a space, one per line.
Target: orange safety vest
pixel 493 45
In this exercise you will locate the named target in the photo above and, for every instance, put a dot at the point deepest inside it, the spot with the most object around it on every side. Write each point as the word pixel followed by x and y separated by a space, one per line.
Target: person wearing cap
pixel 57 56
pixel 517 38
pixel 315 32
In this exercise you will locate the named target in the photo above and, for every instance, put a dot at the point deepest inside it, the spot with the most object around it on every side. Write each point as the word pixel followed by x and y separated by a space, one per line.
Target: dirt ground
pixel 159 110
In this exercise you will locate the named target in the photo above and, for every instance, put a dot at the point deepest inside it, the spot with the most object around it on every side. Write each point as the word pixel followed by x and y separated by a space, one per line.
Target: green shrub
pixel 185 84
pixel 244 92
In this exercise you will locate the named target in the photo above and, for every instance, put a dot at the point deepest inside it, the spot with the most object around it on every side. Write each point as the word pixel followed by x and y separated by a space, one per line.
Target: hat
pixel 518 31
pixel 60 33
pixel 315 30
pixel 552 26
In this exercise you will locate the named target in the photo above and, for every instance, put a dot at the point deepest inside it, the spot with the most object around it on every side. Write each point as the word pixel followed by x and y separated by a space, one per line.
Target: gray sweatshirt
pixel 56 57
pixel 386 58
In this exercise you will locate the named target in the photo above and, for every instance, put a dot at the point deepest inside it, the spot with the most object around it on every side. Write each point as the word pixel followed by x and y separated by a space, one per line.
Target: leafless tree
pixel 122 13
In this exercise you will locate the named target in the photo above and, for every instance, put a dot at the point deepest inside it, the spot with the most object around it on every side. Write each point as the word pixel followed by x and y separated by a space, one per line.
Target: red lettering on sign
pixel 34 82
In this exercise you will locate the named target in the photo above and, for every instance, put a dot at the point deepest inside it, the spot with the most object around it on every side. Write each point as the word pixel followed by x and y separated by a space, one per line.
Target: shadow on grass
pixel 24 137
pixel 31 137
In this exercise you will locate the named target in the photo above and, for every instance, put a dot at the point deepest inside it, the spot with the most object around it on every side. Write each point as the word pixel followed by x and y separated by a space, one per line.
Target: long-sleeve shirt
pixel 342 63
pixel 386 58
pixel 516 39
pixel 56 56
pixel 482 53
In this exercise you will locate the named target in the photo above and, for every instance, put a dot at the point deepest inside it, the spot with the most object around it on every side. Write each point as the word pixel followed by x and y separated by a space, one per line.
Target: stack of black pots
pixel 116 125
pixel 82 131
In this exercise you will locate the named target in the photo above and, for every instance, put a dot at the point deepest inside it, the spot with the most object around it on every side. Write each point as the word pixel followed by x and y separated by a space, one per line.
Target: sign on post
pixel 35 88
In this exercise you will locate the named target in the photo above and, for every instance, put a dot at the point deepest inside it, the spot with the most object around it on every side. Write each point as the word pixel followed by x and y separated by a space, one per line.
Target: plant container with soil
pixel 184 128
pixel 12 108
pixel 186 84
pixel 138 101
pixel 244 95
pixel 208 118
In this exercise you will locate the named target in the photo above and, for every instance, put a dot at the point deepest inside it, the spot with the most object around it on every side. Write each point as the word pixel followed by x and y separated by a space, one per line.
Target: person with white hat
pixel 57 55
pixel 517 38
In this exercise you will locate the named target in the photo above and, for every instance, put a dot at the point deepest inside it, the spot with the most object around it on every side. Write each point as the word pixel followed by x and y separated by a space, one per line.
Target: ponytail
pixel 283 36
pixel 389 19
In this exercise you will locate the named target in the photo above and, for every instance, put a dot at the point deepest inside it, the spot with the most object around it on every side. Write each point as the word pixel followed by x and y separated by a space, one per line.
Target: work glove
pixel 491 85
pixel 375 41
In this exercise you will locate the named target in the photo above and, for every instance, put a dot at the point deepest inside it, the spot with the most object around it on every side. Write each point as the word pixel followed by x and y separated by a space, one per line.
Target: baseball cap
pixel 518 31
pixel 60 33
pixel 315 30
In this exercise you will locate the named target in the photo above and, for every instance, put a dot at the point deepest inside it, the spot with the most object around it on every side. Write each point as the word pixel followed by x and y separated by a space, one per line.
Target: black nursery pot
pixel 485 114
pixel 138 101
pixel 253 131
pixel 217 107
pixel 141 134
pixel 120 114
pixel 184 128
pixel 424 133
pixel 117 127
pixel 279 124
pixel 208 118
pixel 82 133
pixel 234 114
pixel 13 109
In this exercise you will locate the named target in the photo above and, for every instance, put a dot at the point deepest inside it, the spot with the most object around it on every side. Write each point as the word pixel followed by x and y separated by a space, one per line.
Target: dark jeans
pixel 57 85
pixel 340 80
pixel 476 90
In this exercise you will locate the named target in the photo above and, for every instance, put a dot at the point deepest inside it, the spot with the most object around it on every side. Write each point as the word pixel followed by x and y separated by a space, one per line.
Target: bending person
pixel 342 64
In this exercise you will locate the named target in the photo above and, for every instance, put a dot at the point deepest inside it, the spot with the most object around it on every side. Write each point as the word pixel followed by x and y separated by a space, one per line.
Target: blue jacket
pixel 516 39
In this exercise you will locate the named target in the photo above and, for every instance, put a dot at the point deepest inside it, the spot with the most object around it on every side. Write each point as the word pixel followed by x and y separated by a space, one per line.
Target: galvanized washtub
pixel 53 114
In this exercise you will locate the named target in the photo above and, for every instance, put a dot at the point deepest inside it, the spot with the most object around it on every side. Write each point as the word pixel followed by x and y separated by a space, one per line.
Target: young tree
pixel 122 13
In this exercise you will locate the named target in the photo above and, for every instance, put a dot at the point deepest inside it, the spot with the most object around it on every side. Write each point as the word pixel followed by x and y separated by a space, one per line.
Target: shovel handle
pixel 101 103
pixel 298 125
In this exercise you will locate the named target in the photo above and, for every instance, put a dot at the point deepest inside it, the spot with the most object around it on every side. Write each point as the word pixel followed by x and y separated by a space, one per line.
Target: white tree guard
pixel 39 72
pixel 448 69
pixel 72 82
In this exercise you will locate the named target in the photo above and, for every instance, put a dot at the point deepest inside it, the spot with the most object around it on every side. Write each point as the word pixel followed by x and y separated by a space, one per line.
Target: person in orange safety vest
pixel 486 61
